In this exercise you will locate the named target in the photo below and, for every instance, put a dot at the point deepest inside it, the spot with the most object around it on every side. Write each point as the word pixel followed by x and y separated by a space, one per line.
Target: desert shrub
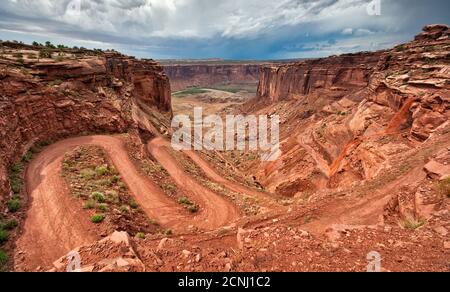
pixel 102 170
pixel 444 187
pixel 140 235
pixel 185 201
pixel 28 156
pixel 4 236
pixel 190 206
pixel 87 174
pixel 16 184
pixel 115 179
pixel 56 82
pixel 3 258
pixel 18 167
pixel 112 197
pixel 133 204
pixel 45 54
pixel 193 208
pixel 102 207
pixel 413 224
pixel 153 222
pixel 124 209
pixel 98 197
pixel 59 58
pixel 98 218
pixel 9 224
pixel 168 232
pixel 14 205
pixel 89 205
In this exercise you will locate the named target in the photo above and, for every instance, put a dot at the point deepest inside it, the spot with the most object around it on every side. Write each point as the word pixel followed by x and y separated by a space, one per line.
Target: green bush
pixel 140 235
pixel 98 197
pixel 102 170
pixel 9 224
pixel 98 218
pixel 16 184
pixel 133 204
pixel 3 258
pixel 185 201
pixel 112 197
pixel 102 207
pixel 28 156
pixel 168 232
pixel 193 208
pixel 4 236
pixel 17 168
pixel 124 209
pixel 14 205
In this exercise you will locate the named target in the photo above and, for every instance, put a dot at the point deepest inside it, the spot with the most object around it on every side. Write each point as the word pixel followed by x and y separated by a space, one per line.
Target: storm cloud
pixel 231 29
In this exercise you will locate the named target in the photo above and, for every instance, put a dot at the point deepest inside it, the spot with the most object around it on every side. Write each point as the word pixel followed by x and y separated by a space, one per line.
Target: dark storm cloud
pixel 230 29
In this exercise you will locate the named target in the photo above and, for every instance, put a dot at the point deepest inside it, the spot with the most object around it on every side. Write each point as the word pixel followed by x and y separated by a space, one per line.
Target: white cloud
pixel 185 18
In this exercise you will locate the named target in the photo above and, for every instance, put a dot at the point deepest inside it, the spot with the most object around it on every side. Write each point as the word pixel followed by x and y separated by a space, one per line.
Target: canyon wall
pixel 202 75
pixel 43 100
pixel 349 119
pixel 336 73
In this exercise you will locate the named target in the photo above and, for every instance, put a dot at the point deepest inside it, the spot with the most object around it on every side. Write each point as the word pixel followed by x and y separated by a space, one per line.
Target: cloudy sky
pixel 230 29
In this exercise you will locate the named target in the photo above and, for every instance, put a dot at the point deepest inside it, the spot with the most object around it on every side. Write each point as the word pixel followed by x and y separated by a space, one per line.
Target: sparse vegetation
pixel 98 197
pixel 59 58
pixel 190 206
pixel 413 223
pixel 45 54
pixel 98 218
pixel 98 184
pixel 400 48
pixel 140 235
pixel 444 187
pixel 102 170
pixel 14 205
pixel 4 236
pixel 133 204
pixel 191 91
pixel 56 82
pixel 168 232
pixel 89 205
pixel 3 258
pixel 9 224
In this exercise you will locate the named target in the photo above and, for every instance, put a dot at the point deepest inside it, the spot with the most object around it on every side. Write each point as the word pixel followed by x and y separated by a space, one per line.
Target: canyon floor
pixel 362 183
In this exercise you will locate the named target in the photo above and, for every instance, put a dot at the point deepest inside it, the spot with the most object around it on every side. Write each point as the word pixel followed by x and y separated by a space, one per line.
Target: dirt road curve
pixel 215 210
pixel 54 225
pixel 213 175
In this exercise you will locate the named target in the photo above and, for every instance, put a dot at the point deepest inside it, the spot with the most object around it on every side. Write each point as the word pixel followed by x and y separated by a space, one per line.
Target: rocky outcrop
pixel 203 75
pixel 349 119
pixel 338 73
pixel 44 100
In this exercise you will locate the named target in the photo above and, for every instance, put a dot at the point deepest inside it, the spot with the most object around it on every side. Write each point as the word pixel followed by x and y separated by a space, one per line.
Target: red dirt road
pixel 215 210
pixel 55 224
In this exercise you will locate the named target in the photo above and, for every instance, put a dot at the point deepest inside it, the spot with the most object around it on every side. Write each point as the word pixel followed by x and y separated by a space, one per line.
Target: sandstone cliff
pixel 359 121
pixel 48 98
pixel 338 73
pixel 202 75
